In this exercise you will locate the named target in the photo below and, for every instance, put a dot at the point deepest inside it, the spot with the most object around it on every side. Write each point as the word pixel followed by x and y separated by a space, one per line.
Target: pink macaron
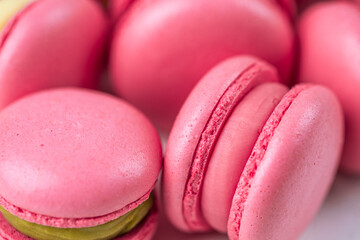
pixel 162 48
pixel 330 55
pixel 250 157
pixel 118 7
pixel 289 6
pixel 51 43
pixel 77 159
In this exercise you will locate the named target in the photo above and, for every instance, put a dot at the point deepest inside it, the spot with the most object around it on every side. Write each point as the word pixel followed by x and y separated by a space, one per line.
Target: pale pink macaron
pixel 250 157
pixel 330 55
pixel 51 43
pixel 162 48
pixel 73 158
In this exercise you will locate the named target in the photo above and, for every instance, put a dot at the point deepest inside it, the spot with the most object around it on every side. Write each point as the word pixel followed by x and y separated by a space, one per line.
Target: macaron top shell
pixel 73 155
pixel 180 40
pixel 191 125
pixel 332 59
pixel 37 47
pixel 291 167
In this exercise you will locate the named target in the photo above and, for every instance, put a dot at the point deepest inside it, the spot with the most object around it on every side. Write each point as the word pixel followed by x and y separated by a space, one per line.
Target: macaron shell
pixel 191 122
pixel 291 168
pixel 180 40
pixel 332 59
pixel 144 231
pixel 290 7
pixel 37 47
pixel 7 232
pixel 233 149
pixel 76 154
pixel 118 8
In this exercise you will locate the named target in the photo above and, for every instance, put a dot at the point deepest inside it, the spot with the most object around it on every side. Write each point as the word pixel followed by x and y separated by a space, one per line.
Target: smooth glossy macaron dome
pixel 37 47
pixel 180 40
pixel 194 136
pixel 331 59
pixel 75 156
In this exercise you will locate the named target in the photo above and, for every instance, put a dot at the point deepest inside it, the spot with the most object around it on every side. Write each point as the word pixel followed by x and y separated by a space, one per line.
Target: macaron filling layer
pixel 9 8
pixel 109 230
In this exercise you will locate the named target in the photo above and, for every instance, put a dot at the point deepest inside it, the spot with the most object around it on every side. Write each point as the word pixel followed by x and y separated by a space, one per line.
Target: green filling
pixel 105 231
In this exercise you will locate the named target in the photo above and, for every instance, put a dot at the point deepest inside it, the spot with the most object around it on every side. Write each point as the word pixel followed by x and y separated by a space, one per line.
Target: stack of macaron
pixel 257 101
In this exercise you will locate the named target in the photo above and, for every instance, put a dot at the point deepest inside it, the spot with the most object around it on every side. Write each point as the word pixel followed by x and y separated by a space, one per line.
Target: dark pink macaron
pixel 162 48
pixel 250 157
pixel 330 55
pixel 72 158
pixel 51 43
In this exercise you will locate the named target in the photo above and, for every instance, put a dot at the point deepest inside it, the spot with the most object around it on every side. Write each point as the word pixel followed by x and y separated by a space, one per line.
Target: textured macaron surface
pixel 332 59
pixel 175 42
pixel 196 130
pixel 75 154
pixel 50 44
pixel 291 167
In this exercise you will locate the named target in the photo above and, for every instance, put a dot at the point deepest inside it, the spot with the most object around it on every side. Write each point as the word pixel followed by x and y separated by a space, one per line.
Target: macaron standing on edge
pixel 180 40
pixel 330 55
pixel 50 43
pixel 78 164
pixel 293 151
